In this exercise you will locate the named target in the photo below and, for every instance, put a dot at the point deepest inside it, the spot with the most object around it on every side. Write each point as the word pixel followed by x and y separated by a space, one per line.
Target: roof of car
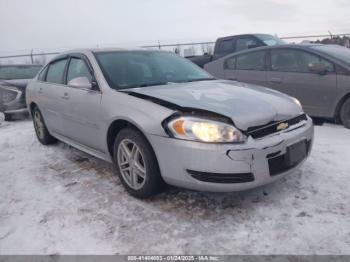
pixel 99 50
pixel 241 35
pixel 83 50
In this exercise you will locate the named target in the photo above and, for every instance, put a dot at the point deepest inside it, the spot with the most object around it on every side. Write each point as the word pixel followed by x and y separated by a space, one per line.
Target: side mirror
pixel 318 68
pixel 80 82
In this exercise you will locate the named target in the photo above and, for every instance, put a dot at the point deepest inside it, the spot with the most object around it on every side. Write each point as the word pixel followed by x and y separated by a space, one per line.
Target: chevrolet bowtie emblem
pixel 282 126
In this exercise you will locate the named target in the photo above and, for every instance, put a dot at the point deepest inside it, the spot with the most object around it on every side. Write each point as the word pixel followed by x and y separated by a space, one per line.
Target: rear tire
pixel 345 113
pixel 8 117
pixel 41 131
pixel 136 164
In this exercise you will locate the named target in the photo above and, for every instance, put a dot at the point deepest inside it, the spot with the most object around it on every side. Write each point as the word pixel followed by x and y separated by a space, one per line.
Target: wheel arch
pixel 115 127
pixel 339 106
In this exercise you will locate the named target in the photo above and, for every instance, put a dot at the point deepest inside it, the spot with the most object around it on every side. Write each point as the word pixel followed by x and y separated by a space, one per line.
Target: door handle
pixel 65 96
pixel 275 80
pixel 40 90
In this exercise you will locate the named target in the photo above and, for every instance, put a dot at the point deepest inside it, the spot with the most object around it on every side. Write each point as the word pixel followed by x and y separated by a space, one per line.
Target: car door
pixel 83 118
pixel 249 67
pixel 290 74
pixel 50 89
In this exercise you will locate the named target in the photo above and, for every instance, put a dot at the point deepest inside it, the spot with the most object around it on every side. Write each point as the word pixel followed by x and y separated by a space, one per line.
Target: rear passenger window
pixel 55 72
pixel 251 61
pixel 78 68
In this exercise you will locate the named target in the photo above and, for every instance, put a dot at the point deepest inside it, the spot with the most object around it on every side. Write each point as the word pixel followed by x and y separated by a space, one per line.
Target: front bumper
pixel 179 158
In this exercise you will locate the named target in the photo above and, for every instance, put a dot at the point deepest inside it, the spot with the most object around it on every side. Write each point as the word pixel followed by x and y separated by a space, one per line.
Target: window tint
pixel 55 71
pixel 226 47
pixel 78 68
pixel 289 60
pixel 251 61
pixel 245 43
pixel 124 69
pixel 231 63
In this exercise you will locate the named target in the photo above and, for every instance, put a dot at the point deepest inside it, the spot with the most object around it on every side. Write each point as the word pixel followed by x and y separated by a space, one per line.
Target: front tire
pixel 41 131
pixel 345 113
pixel 136 164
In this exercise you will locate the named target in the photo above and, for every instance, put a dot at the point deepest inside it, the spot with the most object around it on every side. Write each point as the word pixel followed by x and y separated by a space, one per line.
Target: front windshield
pixel 336 51
pixel 128 69
pixel 270 40
pixel 18 72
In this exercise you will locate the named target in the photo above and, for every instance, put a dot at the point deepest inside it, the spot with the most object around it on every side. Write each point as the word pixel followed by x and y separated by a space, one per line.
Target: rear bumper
pixel 195 165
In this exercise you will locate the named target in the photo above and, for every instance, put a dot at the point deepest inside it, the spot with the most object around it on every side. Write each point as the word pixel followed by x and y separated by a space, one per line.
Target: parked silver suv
pixel 160 118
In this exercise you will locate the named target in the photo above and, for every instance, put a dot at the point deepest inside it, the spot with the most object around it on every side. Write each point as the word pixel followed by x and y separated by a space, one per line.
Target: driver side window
pixel 78 68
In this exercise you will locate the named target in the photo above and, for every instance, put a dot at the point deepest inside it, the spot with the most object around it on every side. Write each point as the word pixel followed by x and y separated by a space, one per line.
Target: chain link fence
pixel 183 49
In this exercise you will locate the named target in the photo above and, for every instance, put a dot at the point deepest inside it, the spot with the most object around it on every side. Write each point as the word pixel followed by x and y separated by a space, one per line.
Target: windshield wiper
pixel 200 79
pixel 144 85
pixel 153 84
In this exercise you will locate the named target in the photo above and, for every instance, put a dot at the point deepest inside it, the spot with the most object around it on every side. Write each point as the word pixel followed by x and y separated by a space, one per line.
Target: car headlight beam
pixel 200 129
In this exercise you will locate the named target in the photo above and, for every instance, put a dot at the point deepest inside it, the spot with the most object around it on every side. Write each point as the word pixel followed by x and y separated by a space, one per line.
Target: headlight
pixel 198 129
pixel 297 102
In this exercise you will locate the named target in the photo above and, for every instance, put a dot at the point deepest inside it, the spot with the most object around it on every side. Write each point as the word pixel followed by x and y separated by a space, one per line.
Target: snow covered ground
pixel 58 200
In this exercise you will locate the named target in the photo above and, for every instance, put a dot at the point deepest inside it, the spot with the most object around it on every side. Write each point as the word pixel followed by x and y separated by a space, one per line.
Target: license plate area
pixel 296 153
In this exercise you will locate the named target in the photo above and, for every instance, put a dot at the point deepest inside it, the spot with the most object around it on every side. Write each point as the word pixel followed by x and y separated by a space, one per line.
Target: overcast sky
pixel 46 25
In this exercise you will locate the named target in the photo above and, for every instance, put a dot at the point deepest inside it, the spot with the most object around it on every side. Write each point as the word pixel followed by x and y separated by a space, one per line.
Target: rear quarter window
pixel 230 63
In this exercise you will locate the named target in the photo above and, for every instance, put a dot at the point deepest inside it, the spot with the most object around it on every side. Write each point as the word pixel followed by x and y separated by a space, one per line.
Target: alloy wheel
pixel 39 124
pixel 131 164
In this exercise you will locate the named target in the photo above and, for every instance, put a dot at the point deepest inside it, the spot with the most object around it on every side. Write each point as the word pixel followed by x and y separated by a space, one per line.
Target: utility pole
pixel 31 56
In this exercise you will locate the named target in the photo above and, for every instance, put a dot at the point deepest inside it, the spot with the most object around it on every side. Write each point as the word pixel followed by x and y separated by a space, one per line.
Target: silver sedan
pixel 161 119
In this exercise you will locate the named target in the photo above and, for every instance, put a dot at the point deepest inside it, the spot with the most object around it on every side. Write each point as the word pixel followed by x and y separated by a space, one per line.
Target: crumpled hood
pixel 19 83
pixel 247 105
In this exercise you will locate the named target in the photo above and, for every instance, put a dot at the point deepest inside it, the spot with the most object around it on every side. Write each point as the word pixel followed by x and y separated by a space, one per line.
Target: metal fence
pixel 194 48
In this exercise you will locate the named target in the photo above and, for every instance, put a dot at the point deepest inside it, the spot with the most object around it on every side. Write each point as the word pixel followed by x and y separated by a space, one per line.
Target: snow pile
pixel 58 200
